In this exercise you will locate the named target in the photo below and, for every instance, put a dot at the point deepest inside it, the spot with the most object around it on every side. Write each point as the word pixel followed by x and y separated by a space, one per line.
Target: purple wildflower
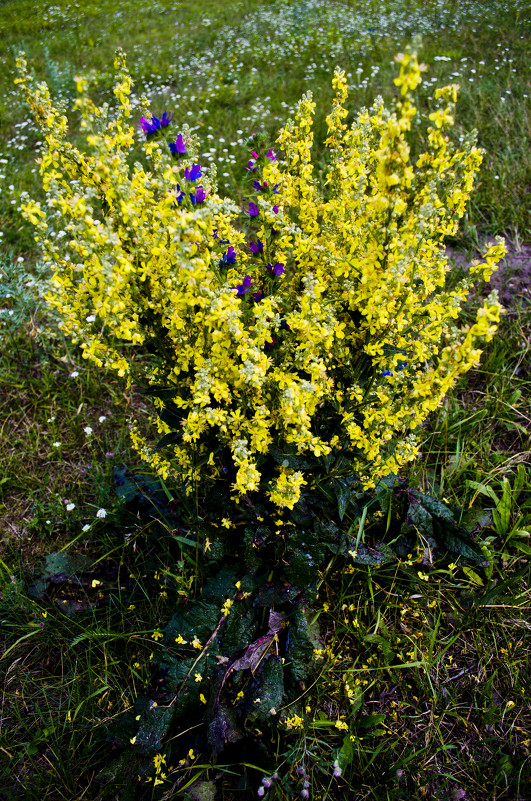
pixel 253 210
pixel 179 194
pixel 258 186
pixel 275 189
pixel 276 269
pixel 257 296
pixel 251 166
pixel 245 286
pixel 387 372
pixel 193 173
pixel 275 209
pixel 198 196
pixel 256 247
pixel 272 343
pixel 229 257
pixel 284 325
pixel 270 155
pixel 178 148
pixel 150 127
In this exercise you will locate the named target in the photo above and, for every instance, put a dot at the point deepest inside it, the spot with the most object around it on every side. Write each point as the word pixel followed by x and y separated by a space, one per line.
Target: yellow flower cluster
pixel 369 341
pixel 294 722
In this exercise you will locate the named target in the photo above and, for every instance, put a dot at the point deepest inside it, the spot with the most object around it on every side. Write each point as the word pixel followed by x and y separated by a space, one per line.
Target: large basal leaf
pixel 59 567
pixel 176 681
pixel 266 693
pixel 202 791
pixel 130 486
pixel 342 492
pixel 303 638
pixel 118 781
pixel 257 650
pixel 380 554
pixel 154 725
pixel 220 586
pixel 239 629
pixel 436 520
pixel 302 557
pixel 223 729
pixel 196 618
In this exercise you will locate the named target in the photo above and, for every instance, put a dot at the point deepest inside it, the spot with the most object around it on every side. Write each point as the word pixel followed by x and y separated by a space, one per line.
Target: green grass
pixel 429 677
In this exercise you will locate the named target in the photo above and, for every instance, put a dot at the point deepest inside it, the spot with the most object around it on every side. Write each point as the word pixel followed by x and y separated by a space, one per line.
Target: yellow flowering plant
pixel 326 330
pixel 293 350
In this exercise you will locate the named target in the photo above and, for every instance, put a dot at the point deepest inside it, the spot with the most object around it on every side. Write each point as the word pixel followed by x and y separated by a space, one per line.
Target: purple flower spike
pixel 258 296
pixel 251 167
pixel 256 247
pixel 150 127
pixel 178 148
pixel 270 155
pixel 257 185
pixel 245 286
pixel 276 269
pixel 275 189
pixel 253 210
pixel 193 173
pixel 229 257
pixel 198 196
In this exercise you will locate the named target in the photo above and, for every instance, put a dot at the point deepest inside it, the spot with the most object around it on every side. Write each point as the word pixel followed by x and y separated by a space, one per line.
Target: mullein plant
pixel 321 326
pixel 293 349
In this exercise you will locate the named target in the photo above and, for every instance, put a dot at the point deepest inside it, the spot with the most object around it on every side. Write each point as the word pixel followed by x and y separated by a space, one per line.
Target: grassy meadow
pixel 425 664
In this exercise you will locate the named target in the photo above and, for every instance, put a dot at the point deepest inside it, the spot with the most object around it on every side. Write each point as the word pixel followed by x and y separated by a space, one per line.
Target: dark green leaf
pixel 342 492
pixel 457 543
pixel 370 721
pixel 345 755
pixel 193 619
pixel 154 725
pixel 119 779
pixel 57 566
pixel 269 689
pixel 381 554
pixel 129 485
pixel 303 638
pixel 202 791
pixel 292 459
pixel 223 729
pixel 432 505
pixel 172 438
pixel 435 520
